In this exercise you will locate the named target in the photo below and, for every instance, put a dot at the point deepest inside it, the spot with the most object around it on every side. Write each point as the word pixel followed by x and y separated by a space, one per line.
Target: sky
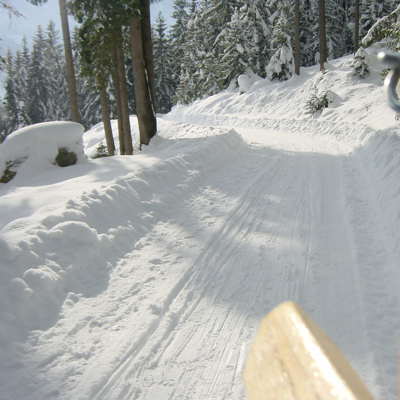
pixel 13 29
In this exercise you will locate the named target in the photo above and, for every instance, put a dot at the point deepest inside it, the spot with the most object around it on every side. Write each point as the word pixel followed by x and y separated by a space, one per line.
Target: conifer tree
pixel 372 10
pixel 281 65
pixel 73 97
pixel 243 43
pixel 37 81
pixel 385 28
pixel 20 77
pixel 336 29
pixel 164 82
pixel 11 102
pixel 262 34
pixel 234 59
pixel 3 121
pixel 196 49
pixel 309 35
pixel 22 82
pixel 177 36
pixel 322 34
pixel 57 102
pixel 95 64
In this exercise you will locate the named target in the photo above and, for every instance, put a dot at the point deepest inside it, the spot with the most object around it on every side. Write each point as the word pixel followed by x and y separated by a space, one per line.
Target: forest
pixel 209 45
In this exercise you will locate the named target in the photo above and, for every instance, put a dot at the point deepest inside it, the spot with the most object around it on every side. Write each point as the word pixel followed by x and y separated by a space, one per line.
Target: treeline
pixel 36 85
pixel 209 45
pixel 219 40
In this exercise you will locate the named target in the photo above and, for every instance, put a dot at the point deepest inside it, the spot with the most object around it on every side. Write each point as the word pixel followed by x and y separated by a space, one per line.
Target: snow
pixel 146 276
pixel 36 147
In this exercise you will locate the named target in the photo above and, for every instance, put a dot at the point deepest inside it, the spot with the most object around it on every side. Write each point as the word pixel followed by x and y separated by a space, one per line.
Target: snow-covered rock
pixel 34 148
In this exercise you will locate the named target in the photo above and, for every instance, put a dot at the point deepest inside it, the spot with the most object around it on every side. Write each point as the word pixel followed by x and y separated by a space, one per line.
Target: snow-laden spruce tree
pixel 37 80
pixel 281 65
pixel 57 107
pixel 262 33
pixel 240 42
pixel 177 36
pixel 194 61
pixel 387 28
pixel 359 65
pixel 11 101
pixel 163 67
pixel 372 10
pixel 308 39
pixel 22 81
pixel 336 29
pixel 216 14
pixel 88 95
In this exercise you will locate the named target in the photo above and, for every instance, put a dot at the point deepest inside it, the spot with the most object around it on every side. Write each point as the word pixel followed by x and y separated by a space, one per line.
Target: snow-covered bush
pixel 319 101
pixel 246 80
pixel 359 65
pixel 40 147
pixel 101 151
pixel 244 83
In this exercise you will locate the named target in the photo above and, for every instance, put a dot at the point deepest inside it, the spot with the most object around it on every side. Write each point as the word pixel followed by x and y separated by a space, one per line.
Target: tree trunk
pixel 356 26
pixel 322 35
pixel 148 49
pixel 105 113
pixel 121 136
pixel 73 97
pixel 144 110
pixel 124 99
pixel 297 39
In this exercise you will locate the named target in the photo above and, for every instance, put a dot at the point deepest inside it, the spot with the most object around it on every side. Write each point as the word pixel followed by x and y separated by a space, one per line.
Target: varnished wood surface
pixel 292 358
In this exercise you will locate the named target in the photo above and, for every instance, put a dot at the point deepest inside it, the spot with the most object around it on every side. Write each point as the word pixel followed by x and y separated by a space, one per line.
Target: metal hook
pixel 393 61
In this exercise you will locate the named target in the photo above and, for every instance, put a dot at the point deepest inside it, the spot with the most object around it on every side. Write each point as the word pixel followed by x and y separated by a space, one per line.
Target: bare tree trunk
pixel 356 26
pixel 144 110
pixel 322 35
pixel 121 136
pixel 73 97
pixel 297 39
pixel 148 48
pixel 105 113
pixel 124 99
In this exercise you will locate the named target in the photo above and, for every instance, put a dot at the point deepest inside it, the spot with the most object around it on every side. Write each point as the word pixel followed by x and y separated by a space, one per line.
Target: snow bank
pixel 69 251
pixel 36 147
pixel 357 101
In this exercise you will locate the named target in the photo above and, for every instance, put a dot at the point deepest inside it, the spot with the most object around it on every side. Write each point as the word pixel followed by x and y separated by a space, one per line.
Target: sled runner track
pixel 193 278
pixel 181 309
pixel 245 266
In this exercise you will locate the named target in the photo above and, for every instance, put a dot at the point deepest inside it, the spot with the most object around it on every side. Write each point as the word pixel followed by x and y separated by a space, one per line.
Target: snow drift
pixel 35 148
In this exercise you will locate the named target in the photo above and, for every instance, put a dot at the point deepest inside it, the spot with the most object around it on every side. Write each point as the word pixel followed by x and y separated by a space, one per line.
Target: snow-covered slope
pixel 145 277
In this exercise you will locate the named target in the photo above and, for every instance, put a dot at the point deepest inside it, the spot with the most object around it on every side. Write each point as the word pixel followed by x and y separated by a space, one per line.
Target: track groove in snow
pixel 192 274
pixel 241 247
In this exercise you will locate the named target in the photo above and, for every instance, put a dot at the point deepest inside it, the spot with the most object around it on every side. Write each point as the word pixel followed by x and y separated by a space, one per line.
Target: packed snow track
pixel 246 219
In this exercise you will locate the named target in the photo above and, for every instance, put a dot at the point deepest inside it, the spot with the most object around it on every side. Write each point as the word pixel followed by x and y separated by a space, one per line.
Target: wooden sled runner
pixel 293 359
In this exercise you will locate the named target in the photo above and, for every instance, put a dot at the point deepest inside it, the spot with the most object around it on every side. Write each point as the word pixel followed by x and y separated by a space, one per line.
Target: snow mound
pixel 35 147
pixel 245 83
pixel 69 250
